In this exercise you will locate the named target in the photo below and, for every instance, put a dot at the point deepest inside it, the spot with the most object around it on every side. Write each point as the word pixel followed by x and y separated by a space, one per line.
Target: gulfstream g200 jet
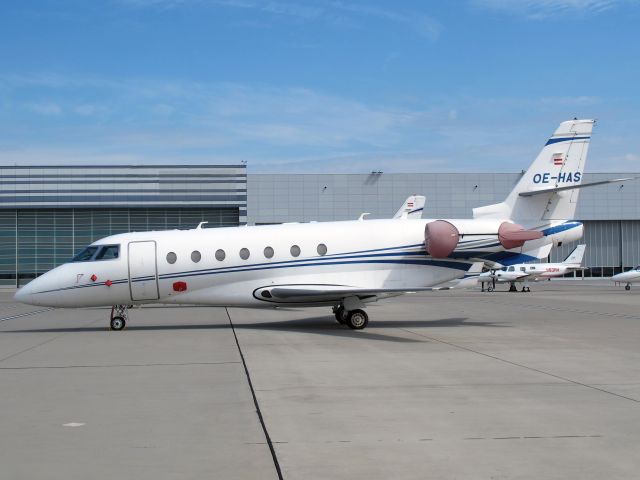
pixel 345 265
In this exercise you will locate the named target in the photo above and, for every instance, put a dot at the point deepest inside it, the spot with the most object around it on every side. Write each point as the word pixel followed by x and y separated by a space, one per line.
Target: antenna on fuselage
pixel 199 227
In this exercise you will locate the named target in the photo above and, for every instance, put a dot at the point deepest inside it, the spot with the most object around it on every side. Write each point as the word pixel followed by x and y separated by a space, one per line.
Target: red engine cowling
pixel 512 235
pixel 440 238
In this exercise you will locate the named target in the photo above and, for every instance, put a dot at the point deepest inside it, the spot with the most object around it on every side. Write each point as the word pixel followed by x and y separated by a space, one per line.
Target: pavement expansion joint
pixel 274 456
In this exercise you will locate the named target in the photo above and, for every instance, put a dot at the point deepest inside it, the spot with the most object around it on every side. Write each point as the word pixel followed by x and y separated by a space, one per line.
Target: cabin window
pixel 220 255
pixel 511 269
pixel 295 251
pixel 85 255
pixel 322 249
pixel 244 253
pixel 108 252
pixel 523 269
pixel 195 256
pixel 268 252
pixel 171 258
pixel 532 268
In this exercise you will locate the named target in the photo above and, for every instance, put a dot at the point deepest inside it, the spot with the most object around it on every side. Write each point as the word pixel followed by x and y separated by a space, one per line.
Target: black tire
pixel 627 287
pixel 490 289
pixel 357 319
pixel 341 315
pixel 117 323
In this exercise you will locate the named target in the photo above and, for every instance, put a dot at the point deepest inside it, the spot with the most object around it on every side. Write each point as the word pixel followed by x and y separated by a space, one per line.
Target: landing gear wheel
pixel 357 319
pixel 489 289
pixel 341 315
pixel 513 288
pixel 627 287
pixel 118 323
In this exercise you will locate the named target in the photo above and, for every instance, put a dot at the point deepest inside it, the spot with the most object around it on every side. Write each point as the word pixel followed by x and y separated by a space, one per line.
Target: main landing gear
pixel 513 288
pixel 627 286
pixel 119 317
pixel 356 319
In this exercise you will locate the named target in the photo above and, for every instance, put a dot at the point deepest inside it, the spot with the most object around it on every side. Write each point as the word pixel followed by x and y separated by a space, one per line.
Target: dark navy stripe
pixel 509 258
pixel 560 228
pixel 377 250
pixel 425 262
pixel 551 141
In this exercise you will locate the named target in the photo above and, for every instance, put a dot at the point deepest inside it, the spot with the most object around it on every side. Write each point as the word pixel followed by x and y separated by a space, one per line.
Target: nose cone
pixel 27 293
pixel 42 291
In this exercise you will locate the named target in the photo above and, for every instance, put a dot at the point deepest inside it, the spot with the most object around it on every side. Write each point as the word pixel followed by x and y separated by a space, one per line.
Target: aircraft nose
pixel 25 294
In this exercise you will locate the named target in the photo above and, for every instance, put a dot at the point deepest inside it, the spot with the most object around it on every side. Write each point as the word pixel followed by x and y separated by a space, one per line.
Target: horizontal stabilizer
pixel 573 187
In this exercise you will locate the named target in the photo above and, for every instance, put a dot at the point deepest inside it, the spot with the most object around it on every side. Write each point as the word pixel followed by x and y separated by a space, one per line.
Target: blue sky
pixel 322 86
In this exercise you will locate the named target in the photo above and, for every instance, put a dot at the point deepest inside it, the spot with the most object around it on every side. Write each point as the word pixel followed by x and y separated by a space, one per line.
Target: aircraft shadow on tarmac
pixel 316 325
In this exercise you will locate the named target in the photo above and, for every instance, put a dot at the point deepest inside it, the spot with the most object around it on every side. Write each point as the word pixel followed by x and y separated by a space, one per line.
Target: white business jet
pixel 628 278
pixel 527 272
pixel 345 265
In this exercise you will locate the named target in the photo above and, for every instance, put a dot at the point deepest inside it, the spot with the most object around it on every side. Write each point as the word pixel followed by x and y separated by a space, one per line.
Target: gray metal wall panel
pixel 129 186
pixel 630 243
pixel 303 197
pixel 603 245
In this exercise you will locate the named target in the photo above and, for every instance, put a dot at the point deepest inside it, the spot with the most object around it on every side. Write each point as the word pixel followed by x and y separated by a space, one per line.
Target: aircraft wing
pixel 329 293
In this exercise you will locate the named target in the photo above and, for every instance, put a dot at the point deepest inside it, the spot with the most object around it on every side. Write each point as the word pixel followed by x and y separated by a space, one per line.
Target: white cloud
pixel 332 12
pixel 86 109
pixel 287 128
pixel 541 9
pixel 47 108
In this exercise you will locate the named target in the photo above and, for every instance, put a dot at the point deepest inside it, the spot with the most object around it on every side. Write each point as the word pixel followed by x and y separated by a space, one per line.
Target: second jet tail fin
pixel 412 207
pixel 575 257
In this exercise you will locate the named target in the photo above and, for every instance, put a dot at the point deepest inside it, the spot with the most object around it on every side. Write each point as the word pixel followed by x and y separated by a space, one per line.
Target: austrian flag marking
pixel 558 159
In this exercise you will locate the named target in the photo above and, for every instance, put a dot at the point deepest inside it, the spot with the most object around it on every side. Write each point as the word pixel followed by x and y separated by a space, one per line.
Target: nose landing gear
pixel 119 317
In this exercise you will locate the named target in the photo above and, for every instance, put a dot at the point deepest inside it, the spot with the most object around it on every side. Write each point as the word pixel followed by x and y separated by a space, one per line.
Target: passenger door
pixel 143 271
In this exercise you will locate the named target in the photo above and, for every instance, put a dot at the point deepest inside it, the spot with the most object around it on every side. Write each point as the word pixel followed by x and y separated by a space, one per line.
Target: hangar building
pixel 49 212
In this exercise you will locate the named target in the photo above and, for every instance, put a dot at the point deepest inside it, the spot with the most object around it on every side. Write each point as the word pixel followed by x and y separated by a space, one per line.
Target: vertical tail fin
pixel 575 257
pixel 412 207
pixel 560 163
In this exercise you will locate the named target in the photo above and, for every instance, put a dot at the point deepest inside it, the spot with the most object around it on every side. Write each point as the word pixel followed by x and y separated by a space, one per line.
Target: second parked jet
pixel 526 272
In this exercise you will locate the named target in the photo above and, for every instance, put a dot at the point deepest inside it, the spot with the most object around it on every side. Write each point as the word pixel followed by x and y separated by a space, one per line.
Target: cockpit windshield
pixel 97 252
pixel 108 252
pixel 85 255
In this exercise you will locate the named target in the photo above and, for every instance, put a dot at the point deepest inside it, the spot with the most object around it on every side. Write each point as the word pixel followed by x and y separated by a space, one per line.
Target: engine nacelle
pixel 512 235
pixel 440 238
pixel 568 232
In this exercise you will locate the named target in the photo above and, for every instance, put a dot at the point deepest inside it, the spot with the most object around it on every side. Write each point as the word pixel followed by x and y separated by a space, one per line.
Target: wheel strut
pixel 119 317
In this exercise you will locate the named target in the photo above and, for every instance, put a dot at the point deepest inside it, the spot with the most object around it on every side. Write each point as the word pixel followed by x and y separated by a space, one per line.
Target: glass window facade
pixel 33 241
